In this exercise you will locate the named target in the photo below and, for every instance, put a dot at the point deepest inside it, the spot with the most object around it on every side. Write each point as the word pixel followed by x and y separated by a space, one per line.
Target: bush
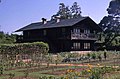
pixel 24 48
pixel 26 73
pixel 99 57
pixel 1 69
pixel 93 56
pixel 105 55
pixel 11 75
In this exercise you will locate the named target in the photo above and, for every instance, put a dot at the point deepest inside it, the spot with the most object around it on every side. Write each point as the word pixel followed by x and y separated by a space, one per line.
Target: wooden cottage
pixel 75 34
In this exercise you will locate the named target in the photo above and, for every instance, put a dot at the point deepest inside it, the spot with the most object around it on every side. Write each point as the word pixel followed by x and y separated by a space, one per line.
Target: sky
pixel 15 14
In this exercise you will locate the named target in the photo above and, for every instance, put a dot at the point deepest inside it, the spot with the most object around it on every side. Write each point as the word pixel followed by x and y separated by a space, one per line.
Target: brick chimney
pixel 58 19
pixel 44 21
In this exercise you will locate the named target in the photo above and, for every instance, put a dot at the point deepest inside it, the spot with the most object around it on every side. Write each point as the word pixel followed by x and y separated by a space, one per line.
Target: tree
pixel 6 38
pixel 76 10
pixel 111 23
pixel 65 12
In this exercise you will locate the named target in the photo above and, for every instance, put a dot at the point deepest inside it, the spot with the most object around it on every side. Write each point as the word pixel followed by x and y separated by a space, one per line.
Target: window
pixel 44 32
pixel 86 45
pixel 86 31
pixel 76 45
pixel 76 30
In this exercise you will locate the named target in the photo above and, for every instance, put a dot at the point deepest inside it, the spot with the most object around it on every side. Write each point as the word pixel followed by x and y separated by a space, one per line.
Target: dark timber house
pixel 75 34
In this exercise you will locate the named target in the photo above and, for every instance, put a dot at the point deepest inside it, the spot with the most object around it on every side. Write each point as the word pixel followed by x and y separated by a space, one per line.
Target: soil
pixel 4 74
pixel 24 78
pixel 14 68
pixel 18 68
pixel 41 69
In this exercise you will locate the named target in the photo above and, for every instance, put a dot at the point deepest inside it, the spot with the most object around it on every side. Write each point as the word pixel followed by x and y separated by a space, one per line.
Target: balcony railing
pixel 84 36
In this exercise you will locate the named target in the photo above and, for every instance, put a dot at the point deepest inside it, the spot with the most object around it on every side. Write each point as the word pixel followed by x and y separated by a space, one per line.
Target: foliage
pixel 24 48
pixel 6 38
pixel 1 69
pixel 97 72
pixel 72 74
pixel 93 56
pixel 112 20
pixel 13 55
pixel 26 73
pixel 111 24
pixel 65 12
pixel 105 55
pixel 75 70
pixel 58 59
pixel 11 75
pixel 76 10
pixel 89 56
pixel 99 57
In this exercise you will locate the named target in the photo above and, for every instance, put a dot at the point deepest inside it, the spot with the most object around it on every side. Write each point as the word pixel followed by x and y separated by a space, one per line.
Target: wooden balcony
pixel 84 36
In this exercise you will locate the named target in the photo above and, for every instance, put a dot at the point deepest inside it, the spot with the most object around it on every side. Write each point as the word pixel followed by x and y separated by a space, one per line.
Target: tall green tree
pixel 111 23
pixel 63 12
pixel 66 12
pixel 76 10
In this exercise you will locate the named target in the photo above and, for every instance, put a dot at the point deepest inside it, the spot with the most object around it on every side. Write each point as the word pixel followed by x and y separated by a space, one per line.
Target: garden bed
pixel 42 69
pixel 25 78
pixel 62 72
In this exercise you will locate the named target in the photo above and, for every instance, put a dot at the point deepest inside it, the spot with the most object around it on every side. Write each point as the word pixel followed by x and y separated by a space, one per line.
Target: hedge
pixel 24 48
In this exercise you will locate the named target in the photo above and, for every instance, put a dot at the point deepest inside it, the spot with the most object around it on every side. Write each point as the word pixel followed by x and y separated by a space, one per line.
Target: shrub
pixel 24 48
pixel 105 55
pixel 26 73
pixel 1 69
pixel 93 56
pixel 99 57
pixel 11 75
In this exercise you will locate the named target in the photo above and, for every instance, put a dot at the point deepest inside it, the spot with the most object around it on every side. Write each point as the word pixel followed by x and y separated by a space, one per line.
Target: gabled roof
pixel 53 24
